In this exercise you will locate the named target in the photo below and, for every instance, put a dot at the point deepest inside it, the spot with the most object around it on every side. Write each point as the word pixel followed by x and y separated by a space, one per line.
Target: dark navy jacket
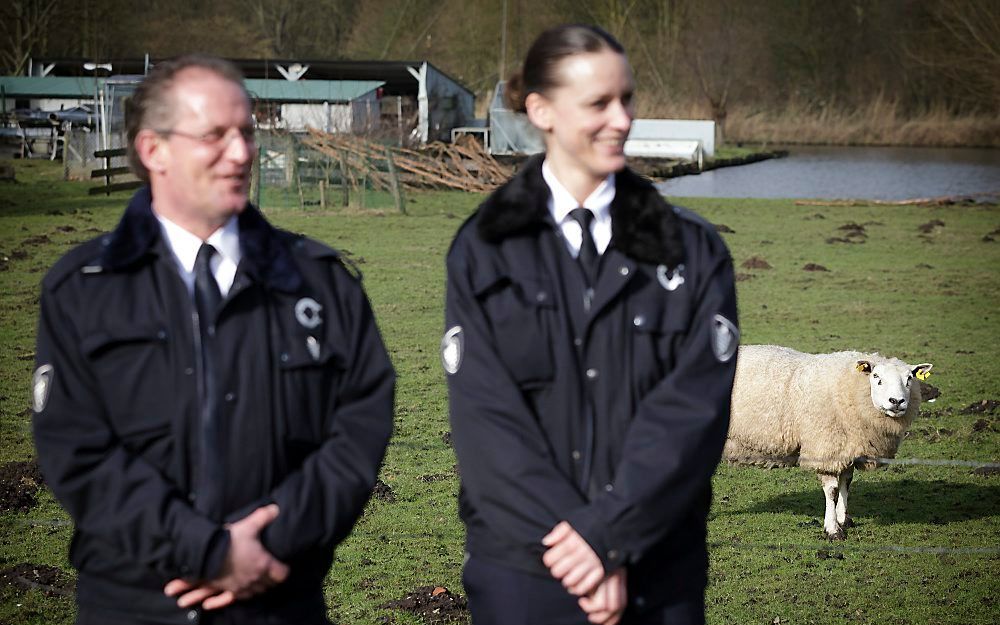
pixel 530 452
pixel 306 394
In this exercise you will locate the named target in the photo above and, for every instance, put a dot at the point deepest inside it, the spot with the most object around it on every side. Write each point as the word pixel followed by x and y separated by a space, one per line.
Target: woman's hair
pixel 540 71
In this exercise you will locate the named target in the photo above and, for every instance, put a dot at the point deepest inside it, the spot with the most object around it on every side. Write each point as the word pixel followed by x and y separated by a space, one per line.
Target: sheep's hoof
pixel 836 536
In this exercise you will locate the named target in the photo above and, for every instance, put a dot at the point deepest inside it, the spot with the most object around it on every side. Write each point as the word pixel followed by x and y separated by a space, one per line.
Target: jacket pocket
pixel 523 314
pixel 131 366
pixel 658 325
pixel 309 371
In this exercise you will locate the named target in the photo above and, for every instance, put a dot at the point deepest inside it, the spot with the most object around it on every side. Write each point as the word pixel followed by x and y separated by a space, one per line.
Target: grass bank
pixel 922 296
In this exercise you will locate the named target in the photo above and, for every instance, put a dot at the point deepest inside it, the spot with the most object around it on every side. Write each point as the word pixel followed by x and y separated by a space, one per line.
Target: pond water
pixel 851 172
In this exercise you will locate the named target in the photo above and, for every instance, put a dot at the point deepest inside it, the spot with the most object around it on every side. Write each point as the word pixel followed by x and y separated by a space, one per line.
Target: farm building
pixel 415 102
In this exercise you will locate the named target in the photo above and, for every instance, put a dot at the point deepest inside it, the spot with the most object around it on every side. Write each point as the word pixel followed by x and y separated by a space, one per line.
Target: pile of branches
pixel 464 165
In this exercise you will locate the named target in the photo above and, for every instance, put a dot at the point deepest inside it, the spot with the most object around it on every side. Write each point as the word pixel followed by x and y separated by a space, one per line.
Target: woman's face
pixel 587 118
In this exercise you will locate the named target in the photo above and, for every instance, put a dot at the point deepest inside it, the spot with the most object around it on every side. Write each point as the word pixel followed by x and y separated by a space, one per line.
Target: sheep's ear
pixel 864 367
pixel 923 370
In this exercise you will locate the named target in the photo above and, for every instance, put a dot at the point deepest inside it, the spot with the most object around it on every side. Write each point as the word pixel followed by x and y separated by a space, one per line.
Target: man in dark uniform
pixel 212 398
pixel 588 413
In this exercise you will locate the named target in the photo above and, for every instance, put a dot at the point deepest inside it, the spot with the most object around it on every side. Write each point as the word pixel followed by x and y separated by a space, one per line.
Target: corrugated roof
pixel 310 90
pixel 49 87
pixel 268 90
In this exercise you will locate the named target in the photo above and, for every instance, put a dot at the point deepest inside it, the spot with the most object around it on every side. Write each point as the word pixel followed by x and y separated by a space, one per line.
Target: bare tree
pixel 963 46
pixel 24 27
pixel 722 48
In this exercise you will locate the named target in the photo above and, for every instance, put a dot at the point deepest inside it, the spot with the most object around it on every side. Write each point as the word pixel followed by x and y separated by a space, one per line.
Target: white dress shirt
pixel 225 240
pixel 561 202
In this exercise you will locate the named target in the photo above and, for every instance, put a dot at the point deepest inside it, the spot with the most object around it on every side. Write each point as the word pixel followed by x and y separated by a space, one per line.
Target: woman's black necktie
pixel 588 250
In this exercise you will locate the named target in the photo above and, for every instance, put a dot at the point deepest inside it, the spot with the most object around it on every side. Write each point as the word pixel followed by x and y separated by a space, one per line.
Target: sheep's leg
pixel 844 485
pixel 830 491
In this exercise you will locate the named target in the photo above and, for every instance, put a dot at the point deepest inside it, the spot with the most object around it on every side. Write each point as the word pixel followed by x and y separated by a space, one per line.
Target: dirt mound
pixel 986 406
pixel 743 277
pixel 383 492
pixel 814 267
pixel 930 225
pixel 48 579
pixel 756 262
pixel 724 228
pixel 928 392
pixel 19 484
pixel 433 604
pixel 852 227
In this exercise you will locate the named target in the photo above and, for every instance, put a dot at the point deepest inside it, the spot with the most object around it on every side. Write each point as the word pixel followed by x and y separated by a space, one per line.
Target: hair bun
pixel 513 93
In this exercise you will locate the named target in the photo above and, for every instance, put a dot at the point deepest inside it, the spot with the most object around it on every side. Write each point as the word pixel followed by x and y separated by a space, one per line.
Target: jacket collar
pixel 643 225
pixel 265 255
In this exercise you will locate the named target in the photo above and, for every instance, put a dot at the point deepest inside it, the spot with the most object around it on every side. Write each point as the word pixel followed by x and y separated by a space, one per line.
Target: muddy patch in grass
pixel 985 406
pixel 383 492
pixel 50 580
pixel 433 604
pixel 929 392
pixel 19 485
pixel 724 228
pixel 814 267
pixel 756 262
pixel 434 477
pixel 35 240
pixel 929 227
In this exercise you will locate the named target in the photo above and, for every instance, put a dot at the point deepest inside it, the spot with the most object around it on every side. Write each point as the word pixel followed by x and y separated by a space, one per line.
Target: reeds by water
pixel 880 122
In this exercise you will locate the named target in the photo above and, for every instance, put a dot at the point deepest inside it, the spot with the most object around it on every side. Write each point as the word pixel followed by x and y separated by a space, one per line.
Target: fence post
pixel 343 181
pixel 322 194
pixel 67 141
pixel 290 163
pixel 394 186
pixel 255 177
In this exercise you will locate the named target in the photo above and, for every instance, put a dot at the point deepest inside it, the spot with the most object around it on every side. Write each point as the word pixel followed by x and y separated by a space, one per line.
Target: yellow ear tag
pixel 923 374
pixel 860 367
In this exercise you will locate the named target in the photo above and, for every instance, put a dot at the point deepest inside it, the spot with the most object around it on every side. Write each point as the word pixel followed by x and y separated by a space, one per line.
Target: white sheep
pixel 821 412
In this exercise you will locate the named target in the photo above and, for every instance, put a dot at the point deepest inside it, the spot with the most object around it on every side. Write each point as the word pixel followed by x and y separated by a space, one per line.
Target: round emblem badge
pixel 307 312
pixel 670 280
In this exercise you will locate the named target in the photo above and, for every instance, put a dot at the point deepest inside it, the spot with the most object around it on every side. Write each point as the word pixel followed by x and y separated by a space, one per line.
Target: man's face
pixel 208 151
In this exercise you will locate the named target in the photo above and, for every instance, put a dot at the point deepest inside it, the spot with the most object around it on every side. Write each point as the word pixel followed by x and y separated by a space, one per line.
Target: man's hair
pixel 153 104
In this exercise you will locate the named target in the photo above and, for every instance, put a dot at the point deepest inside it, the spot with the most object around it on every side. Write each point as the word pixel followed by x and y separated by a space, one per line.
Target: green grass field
pixel 931 296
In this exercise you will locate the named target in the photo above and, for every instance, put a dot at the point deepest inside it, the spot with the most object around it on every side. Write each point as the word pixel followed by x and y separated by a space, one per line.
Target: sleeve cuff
pixel 215 557
pixel 198 542
pixel 593 530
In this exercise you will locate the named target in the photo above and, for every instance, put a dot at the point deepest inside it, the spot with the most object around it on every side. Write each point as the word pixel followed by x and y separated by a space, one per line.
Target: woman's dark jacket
pixel 614 423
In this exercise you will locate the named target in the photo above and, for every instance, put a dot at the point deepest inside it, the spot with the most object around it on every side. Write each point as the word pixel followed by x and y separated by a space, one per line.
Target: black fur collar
pixel 265 254
pixel 644 226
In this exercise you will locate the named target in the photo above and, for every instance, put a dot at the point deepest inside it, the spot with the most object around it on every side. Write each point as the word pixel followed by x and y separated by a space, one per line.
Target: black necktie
pixel 206 290
pixel 588 251
pixel 207 299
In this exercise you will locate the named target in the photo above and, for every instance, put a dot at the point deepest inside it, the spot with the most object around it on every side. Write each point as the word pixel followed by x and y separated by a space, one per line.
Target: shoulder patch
pixel 725 338
pixel 452 350
pixel 41 384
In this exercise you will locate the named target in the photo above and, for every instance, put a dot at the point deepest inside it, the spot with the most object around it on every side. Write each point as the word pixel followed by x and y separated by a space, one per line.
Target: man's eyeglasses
pixel 219 138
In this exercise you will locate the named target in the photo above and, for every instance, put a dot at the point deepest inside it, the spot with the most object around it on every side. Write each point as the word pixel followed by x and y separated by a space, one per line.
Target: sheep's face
pixel 891 383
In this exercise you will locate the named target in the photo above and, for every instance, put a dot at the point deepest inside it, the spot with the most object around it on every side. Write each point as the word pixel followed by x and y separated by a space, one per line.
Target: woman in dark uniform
pixel 590 349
